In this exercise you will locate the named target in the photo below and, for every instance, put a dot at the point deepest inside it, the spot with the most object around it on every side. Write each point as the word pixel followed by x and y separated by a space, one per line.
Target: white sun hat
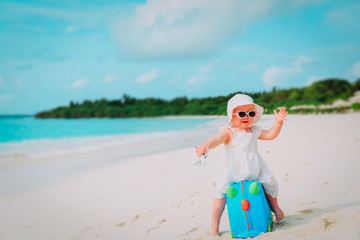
pixel 240 100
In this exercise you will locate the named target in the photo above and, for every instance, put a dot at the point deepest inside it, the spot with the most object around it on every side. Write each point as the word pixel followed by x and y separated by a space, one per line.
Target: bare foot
pixel 212 236
pixel 213 233
pixel 279 214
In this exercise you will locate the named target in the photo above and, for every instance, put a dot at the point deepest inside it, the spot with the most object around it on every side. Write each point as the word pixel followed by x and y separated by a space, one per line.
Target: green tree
pixel 325 91
pixel 357 85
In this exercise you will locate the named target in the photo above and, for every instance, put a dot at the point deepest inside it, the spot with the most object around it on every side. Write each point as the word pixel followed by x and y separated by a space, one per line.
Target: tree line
pixel 321 92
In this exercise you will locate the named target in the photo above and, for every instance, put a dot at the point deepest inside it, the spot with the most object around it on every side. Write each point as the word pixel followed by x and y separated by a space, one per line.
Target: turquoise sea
pixel 20 128
pixel 27 136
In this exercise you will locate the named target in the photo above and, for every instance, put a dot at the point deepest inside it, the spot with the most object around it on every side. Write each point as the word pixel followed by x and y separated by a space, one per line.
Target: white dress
pixel 241 161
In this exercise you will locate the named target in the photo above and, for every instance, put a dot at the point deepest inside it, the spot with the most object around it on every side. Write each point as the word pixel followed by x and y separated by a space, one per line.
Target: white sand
pixel 316 160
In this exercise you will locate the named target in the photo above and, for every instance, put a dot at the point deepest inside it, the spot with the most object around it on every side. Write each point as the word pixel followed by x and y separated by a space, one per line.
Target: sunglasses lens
pixel 252 114
pixel 242 114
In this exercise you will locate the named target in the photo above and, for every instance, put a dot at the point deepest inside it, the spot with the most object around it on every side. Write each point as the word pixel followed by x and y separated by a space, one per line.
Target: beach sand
pixel 151 190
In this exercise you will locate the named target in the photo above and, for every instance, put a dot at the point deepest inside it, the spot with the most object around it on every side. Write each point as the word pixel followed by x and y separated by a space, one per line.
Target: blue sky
pixel 54 52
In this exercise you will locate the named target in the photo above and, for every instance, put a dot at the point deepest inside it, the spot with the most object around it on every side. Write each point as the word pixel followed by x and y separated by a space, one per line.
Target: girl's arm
pixel 275 130
pixel 214 141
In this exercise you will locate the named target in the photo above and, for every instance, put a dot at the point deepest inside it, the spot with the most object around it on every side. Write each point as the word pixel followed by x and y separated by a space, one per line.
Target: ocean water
pixel 20 128
pixel 27 136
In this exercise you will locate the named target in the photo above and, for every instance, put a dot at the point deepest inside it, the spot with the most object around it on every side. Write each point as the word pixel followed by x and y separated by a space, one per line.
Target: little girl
pixel 242 160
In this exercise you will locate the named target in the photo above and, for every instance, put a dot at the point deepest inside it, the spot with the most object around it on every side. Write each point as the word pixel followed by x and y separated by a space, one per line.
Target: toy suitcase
pixel 248 209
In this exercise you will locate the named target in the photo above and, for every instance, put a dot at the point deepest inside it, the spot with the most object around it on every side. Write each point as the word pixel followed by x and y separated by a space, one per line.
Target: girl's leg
pixel 275 207
pixel 217 210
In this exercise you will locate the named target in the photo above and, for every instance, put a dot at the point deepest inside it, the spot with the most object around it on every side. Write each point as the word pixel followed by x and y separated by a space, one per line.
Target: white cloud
pixel 346 16
pixel 205 69
pixel 196 79
pixel 6 97
pixel 110 78
pixel 252 66
pixel 355 69
pixel 81 82
pixel 275 75
pixel 86 16
pixel 176 79
pixel 19 83
pixel 313 79
pixel 271 76
pixel 69 29
pixel 179 29
pixel 300 61
pixel 148 77
pixel 202 74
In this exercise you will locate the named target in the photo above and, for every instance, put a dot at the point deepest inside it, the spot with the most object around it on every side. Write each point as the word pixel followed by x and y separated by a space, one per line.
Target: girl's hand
pixel 281 115
pixel 200 151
